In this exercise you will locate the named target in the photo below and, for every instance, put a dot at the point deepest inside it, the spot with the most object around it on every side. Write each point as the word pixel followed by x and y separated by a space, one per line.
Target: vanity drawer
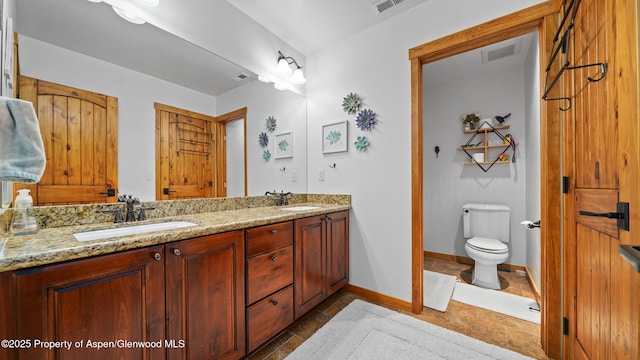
pixel 269 272
pixel 269 237
pixel 268 317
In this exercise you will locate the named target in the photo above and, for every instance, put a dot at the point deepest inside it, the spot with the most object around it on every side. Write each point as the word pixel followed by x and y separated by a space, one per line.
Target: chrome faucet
pixel 281 198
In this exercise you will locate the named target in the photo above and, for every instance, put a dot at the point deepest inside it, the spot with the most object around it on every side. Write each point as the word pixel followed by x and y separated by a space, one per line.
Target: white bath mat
pixel 363 331
pixel 437 290
pixel 498 301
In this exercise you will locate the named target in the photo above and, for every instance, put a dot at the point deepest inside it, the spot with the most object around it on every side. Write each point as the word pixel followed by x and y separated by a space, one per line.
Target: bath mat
pixel 437 290
pixel 366 331
pixel 498 301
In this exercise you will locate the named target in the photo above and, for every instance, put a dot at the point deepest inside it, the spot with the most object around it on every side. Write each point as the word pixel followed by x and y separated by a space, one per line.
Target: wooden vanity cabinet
pixel 269 282
pixel 188 295
pixel 321 258
pixel 111 297
pixel 205 297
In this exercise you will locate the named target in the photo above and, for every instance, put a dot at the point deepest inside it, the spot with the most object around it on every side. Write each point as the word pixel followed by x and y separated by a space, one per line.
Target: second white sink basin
pixel 300 208
pixel 131 230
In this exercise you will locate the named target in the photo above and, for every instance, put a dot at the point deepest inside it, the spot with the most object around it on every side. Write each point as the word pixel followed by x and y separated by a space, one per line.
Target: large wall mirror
pixel 85 45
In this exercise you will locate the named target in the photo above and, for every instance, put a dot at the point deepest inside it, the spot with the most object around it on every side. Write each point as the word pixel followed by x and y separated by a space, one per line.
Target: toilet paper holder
pixel 531 224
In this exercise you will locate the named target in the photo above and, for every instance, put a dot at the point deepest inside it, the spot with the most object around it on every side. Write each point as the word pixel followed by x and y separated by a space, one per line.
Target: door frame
pixel 535 18
pixel 221 130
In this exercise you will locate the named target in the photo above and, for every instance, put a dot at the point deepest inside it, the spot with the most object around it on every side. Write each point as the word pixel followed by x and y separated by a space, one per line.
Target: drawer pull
pixel 274 302
pixel 157 257
pixel 274 258
pixel 274 231
pixel 176 252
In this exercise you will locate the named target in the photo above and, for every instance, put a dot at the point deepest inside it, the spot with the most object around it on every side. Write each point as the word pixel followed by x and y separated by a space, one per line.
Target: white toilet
pixel 486 226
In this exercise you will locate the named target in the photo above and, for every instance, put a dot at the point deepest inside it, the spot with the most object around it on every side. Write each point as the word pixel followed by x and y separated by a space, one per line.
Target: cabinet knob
pixel 176 252
pixel 274 302
pixel 274 231
pixel 157 257
pixel 274 258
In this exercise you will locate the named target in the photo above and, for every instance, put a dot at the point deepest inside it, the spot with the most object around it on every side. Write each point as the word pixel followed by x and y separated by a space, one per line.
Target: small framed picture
pixel 334 137
pixel 283 145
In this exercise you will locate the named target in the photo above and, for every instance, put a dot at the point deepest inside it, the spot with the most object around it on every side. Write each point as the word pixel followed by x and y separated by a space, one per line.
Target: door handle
pixel 166 191
pixel 621 214
pixel 609 215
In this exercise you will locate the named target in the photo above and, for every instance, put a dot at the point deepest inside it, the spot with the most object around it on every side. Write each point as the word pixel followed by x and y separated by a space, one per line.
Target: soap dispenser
pixel 23 222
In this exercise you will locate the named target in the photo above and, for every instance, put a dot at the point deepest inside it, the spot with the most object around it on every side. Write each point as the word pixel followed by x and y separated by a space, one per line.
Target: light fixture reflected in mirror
pixel 283 68
pixel 126 13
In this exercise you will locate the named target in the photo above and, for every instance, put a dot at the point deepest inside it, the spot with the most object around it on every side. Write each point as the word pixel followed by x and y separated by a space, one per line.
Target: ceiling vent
pixel 500 51
pixel 240 77
pixel 383 5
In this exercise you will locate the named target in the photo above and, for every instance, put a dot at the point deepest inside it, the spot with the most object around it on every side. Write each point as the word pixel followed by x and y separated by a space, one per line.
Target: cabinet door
pixel 103 299
pixel 337 251
pixel 205 297
pixel 310 264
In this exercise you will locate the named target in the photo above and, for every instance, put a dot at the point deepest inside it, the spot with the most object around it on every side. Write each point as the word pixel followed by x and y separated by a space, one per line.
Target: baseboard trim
pixel 378 298
pixel 469 261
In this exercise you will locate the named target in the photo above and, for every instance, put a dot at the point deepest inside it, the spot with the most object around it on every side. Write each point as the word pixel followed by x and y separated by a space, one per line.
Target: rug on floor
pixel 498 301
pixel 437 290
pixel 366 331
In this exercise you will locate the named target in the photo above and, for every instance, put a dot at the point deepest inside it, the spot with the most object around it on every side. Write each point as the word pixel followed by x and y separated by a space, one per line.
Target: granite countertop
pixel 57 244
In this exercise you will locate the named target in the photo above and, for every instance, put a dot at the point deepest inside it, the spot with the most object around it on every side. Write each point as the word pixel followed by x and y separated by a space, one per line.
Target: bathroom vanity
pixel 216 290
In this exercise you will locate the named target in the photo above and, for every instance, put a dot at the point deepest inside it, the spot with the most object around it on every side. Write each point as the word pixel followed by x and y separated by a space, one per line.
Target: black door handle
pixel 622 215
pixel 610 215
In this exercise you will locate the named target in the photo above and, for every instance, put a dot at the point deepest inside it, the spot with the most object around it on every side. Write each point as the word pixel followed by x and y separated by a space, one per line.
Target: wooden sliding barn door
pixel 80 134
pixel 601 160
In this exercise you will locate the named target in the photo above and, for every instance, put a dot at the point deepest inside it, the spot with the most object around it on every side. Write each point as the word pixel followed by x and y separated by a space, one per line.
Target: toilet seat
pixel 492 246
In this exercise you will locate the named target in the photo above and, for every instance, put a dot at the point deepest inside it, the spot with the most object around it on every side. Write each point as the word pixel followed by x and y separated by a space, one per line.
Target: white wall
pixel 290 111
pixel 532 130
pixel 374 63
pixel 136 93
pixel 235 158
pixel 448 184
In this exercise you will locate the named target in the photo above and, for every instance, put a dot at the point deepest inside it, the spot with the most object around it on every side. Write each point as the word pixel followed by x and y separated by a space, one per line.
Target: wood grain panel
pixel 269 237
pixel 268 273
pixel 123 293
pixel 602 201
pixel 337 251
pixel 310 257
pixel 268 317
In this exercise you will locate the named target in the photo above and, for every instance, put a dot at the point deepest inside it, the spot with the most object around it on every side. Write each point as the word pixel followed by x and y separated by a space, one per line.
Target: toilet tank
pixel 486 220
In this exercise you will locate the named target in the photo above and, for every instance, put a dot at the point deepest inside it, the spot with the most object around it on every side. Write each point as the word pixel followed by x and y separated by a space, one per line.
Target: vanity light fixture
pixel 127 14
pixel 284 68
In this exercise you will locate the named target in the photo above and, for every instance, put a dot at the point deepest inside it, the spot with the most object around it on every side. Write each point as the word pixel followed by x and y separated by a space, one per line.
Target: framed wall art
pixel 334 137
pixel 283 145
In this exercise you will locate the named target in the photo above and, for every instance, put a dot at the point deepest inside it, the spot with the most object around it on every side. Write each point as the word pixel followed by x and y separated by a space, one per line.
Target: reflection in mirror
pixel 86 45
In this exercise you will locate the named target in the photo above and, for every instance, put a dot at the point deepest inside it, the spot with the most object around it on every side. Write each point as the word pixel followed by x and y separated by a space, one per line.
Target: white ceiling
pixel 311 25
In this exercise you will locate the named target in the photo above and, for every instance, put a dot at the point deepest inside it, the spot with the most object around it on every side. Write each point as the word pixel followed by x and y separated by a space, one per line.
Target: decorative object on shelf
pixel 334 137
pixel 266 155
pixel 263 139
pixel 283 145
pixel 361 143
pixel 351 103
pixel 270 124
pixel 479 151
pixel 469 121
pixel 366 120
pixel 509 140
pixel 499 120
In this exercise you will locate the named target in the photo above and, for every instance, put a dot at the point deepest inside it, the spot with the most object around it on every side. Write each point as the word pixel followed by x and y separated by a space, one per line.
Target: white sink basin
pixel 131 230
pixel 300 208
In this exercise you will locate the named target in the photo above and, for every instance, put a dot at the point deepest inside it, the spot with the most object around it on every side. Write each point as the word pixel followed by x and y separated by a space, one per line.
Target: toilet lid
pixel 488 245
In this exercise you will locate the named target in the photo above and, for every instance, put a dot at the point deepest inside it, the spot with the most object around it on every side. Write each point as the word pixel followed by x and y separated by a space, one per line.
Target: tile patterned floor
pixel 502 330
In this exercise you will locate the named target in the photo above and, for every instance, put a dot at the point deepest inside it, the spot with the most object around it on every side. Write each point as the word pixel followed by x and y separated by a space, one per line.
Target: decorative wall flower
pixel 263 139
pixel 334 137
pixel 271 124
pixel 283 145
pixel 266 155
pixel 366 120
pixel 361 143
pixel 351 103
